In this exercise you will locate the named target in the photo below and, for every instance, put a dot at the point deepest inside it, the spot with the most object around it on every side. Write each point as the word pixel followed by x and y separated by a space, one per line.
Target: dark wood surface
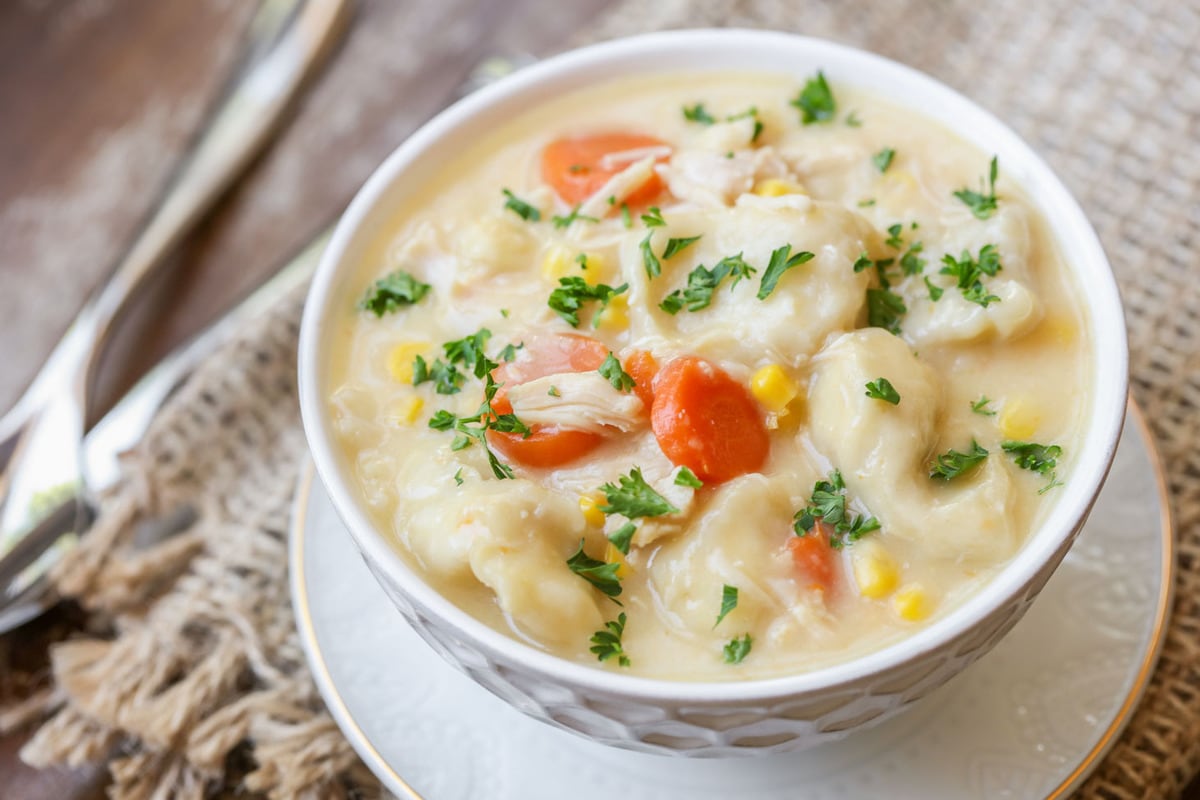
pixel 98 101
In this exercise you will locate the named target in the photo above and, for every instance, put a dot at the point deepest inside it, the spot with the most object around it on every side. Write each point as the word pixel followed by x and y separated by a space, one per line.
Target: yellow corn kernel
pixel 558 262
pixel 1019 419
pixel 772 387
pixel 407 410
pixel 615 316
pixel 875 572
pixel 400 359
pixel 614 556
pixel 912 603
pixel 1058 329
pixel 777 187
pixel 589 504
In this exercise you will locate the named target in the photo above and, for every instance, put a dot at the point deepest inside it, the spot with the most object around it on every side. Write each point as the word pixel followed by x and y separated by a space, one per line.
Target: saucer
pixel 1032 718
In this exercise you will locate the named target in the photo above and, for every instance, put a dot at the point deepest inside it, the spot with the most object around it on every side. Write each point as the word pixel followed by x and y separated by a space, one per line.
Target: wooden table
pixel 98 101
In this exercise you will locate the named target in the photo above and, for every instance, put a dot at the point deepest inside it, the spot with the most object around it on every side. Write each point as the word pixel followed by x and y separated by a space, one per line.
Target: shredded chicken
pixel 583 401
pixel 619 187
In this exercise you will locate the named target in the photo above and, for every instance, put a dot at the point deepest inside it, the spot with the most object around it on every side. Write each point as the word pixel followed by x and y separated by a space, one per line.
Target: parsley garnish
pixel 935 292
pixel 446 377
pixel 573 292
pixel 751 113
pixel 738 649
pixel 391 292
pixel 729 598
pixel 653 218
pixel 458 478
pixel 870 201
pixel 626 217
pixel 884 309
pixel 697 113
pixel 894 239
pixel 911 262
pixel 565 222
pixel 703 282
pixel 1039 458
pixel 980 406
pixel 622 537
pixel 474 429
pixel 781 261
pixel 634 498
pixel 553 391
pixel 863 262
pixel 467 351
pixel 607 643
pixel 883 159
pixel 981 205
pixel 599 574
pixel 882 389
pixel 815 101
pixel 969 272
pixel 852 120
pixel 621 380
pixel 952 463
pixel 828 503
pixel 685 477
pixel 520 207
pixel 649 260
pixel 676 245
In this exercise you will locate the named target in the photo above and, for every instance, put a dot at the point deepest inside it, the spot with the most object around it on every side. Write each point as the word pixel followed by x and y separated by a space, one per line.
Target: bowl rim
pixel 613 59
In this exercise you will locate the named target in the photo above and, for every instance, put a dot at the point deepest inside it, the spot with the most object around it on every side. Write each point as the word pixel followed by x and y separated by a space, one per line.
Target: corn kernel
pixel 912 603
pixel 875 572
pixel 1058 329
pixel 777 187
pixel 589 504
pixel 407 410
pixel 772 387
pixel 615 316
pixel 1019 419
pixel 614 556
pixel 400 360
pixel 558 262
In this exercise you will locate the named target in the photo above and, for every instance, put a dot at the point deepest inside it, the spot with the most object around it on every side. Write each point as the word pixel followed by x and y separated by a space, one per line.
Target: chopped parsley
pixel 458 478
pixel 698 113
pixel 703 282
pixel 632 497
pixel 952 463
pixel 553 392
pixel 685 477
pixel 815 101
pixel 392 292
pixel 626 217
pixel 980 406
pixel 852 120
pixel 911 262
pixel 828 504
pixel 1039 458
pixel 781 261
pixel 509 351
pixel 981 205
pixel 676 245
pixel 649 260
pixel 623 536
pixel 968 273
pixel 520 207
pixel 884 309
pixel 578 169
pixel 573 292
pixel 474 429
pixel 445 375
pixel 729 600
pixel 606 644
pixel 883 159
pixel 749 113
pixel 895 240
pixel 935 291
pixel 870 201
pixel 882 389
pixel 582 261
pixel 653 218
pixel 621 380
pixel 863 262
pixel 598 573
pixel 737 649
pixel 565 222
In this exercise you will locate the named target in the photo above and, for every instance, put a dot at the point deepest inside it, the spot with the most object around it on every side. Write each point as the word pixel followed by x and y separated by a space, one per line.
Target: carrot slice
pixel 815 558
pixel 576 170
pixel 706 421
pixel 642 367
pixel 547 445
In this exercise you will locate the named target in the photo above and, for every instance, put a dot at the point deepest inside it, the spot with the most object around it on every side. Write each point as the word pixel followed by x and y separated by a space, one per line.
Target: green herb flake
pixel 626 217
pixel 573 292
pixel 980 406
pixel 458 478
pixel 565 222
pixel 815 101
pixel 737 649
pixel 392 292
pixel 870 201
pixel 852 120
pixel 685 477
pixel 911 262
pixel 606 644
pixel 623 536
pixel 884 309
pixel 883 159
pixel 621 380
pixel 863 262
pixel 1039 458
pixel 598 573
pixel 474 429
pixel 703 282
pixel 953 464
pixel 895 239
pixel 882 389
pixel 553 391
pixel 677 245
pixel 935 291
pixel 698 113
pixel 729 601
pixel 632 497
pixel 828 504
pixel 653 218
pixel 649 260
pixel 982 205
pixel 520 207
pixel 969 272
pixel 781 261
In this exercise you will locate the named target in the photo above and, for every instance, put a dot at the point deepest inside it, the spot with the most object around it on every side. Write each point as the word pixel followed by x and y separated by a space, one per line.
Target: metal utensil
pixel 40 437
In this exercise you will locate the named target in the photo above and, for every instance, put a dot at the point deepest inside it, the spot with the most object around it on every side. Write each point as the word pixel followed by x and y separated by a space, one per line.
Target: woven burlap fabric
pixel 202 662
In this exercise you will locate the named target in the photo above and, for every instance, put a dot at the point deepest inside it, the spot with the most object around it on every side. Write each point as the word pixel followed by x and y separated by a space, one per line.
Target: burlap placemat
pixel 198 684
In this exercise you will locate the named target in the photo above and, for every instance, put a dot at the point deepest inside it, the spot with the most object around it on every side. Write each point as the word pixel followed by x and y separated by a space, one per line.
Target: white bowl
pixel 728 717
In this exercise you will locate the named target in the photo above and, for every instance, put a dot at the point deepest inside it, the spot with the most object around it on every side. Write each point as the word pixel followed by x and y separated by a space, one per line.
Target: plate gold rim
pixel 1089 763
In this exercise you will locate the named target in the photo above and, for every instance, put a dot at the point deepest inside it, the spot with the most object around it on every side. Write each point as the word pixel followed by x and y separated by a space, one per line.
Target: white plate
pixel 1030 719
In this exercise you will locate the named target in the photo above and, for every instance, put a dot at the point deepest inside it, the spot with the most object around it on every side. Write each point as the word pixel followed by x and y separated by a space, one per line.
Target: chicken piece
pixel 583 401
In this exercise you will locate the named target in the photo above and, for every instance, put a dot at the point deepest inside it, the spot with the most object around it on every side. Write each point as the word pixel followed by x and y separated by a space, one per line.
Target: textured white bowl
pixel 731 717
